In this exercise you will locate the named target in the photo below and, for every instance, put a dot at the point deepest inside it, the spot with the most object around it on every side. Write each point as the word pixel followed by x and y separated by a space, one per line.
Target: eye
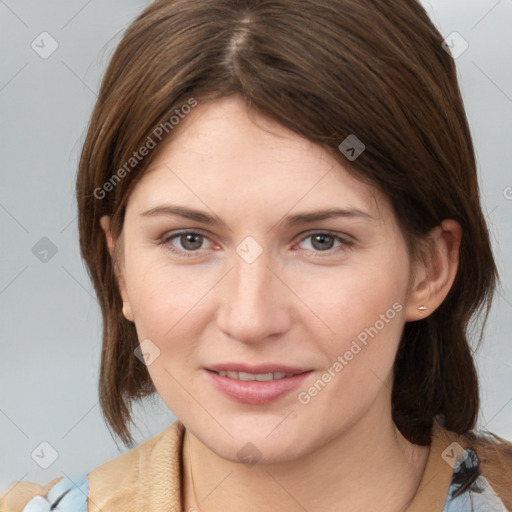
pixel 191 243
pixel 188 242
pixel 325 241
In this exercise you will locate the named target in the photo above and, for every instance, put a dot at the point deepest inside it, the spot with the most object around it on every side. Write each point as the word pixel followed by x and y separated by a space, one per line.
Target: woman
pixel 279 210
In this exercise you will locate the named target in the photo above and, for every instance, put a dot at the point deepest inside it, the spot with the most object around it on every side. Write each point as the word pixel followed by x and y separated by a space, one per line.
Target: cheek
pixel 362 311
pixel 344 303
pixel 349 300
pixel 162 296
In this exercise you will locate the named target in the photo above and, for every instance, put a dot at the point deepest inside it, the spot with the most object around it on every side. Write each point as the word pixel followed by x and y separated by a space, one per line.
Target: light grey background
pixel 50 330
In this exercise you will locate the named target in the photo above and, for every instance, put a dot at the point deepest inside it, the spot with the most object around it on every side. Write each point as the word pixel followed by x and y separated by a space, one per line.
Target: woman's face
pixel 255 282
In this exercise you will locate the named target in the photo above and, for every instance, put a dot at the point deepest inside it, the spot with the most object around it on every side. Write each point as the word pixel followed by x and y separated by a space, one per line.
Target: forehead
pixel 223 152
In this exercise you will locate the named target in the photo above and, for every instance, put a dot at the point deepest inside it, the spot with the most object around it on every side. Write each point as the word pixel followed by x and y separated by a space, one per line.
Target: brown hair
pixel 326 70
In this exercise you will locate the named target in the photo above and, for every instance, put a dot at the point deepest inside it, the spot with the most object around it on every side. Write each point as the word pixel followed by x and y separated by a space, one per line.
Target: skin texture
pixel 302 302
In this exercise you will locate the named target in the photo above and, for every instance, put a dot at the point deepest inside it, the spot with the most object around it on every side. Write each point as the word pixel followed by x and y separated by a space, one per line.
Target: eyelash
pixel 346 243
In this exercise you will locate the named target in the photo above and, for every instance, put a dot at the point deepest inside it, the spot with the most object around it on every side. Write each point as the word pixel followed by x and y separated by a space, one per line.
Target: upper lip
pixel 260 368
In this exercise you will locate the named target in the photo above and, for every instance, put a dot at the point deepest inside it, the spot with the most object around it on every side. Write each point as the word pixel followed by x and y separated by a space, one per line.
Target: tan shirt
pixel 148 478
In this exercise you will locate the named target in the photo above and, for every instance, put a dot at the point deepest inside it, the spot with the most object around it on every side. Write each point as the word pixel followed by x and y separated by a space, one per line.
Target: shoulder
pixel 146 476
pixel 69 493
pixel 495 457
pixel 484 470
pixel 117 483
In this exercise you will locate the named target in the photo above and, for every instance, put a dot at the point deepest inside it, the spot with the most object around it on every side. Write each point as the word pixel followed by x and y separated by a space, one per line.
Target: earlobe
pixel 435 277
pixel 127 310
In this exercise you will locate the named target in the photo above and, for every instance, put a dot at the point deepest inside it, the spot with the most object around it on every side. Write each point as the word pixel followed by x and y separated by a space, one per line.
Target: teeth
pixel 255 376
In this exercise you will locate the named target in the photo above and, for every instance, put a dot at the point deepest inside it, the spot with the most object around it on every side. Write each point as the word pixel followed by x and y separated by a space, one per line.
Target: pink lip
pixel 260 368
pixel 256 392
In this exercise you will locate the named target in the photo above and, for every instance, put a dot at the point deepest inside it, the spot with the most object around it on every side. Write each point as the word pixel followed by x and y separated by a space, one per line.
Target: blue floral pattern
pixel 68 495
pixel 478 495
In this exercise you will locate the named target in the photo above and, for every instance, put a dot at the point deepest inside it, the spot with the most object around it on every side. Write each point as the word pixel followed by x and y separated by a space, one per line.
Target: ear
pixel 127 310
pixel 434 278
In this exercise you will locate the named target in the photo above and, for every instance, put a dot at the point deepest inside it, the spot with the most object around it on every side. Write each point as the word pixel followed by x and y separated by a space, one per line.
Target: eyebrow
pixel 291 220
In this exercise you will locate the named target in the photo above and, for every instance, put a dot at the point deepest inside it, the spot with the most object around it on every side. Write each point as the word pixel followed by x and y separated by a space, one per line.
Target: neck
pixel 370 466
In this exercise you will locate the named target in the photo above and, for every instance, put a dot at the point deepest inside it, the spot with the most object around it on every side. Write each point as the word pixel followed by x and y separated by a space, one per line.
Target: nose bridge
pixel 254 305
pixel 251 263
pixel 252 280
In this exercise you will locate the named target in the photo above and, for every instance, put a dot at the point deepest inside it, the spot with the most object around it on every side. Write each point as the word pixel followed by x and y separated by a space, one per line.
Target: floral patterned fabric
pixel 469 491
pixel 68 495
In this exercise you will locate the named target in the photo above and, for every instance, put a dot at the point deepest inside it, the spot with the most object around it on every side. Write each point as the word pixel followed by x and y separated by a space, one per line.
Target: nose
pixel 255 304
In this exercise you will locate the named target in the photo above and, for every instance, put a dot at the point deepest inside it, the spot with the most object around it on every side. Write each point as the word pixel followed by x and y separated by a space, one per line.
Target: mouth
pixel 262 377
pixel 264 371
pixel 256 388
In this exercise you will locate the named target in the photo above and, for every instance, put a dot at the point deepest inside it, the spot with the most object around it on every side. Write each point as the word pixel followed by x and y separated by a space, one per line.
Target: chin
pixel 255 446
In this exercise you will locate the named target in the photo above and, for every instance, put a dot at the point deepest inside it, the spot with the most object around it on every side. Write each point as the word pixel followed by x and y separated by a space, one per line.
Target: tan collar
pixel 436 479
pixel 150 477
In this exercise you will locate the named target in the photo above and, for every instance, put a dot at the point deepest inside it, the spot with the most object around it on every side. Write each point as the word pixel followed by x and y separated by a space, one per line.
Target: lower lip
pixel 254 391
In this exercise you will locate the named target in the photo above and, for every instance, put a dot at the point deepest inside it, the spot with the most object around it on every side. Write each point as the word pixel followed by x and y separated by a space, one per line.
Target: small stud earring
pixel 422 308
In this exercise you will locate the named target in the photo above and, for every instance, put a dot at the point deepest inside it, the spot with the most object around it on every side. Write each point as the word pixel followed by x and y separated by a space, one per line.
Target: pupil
pixel 322 239
pixel 191 241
